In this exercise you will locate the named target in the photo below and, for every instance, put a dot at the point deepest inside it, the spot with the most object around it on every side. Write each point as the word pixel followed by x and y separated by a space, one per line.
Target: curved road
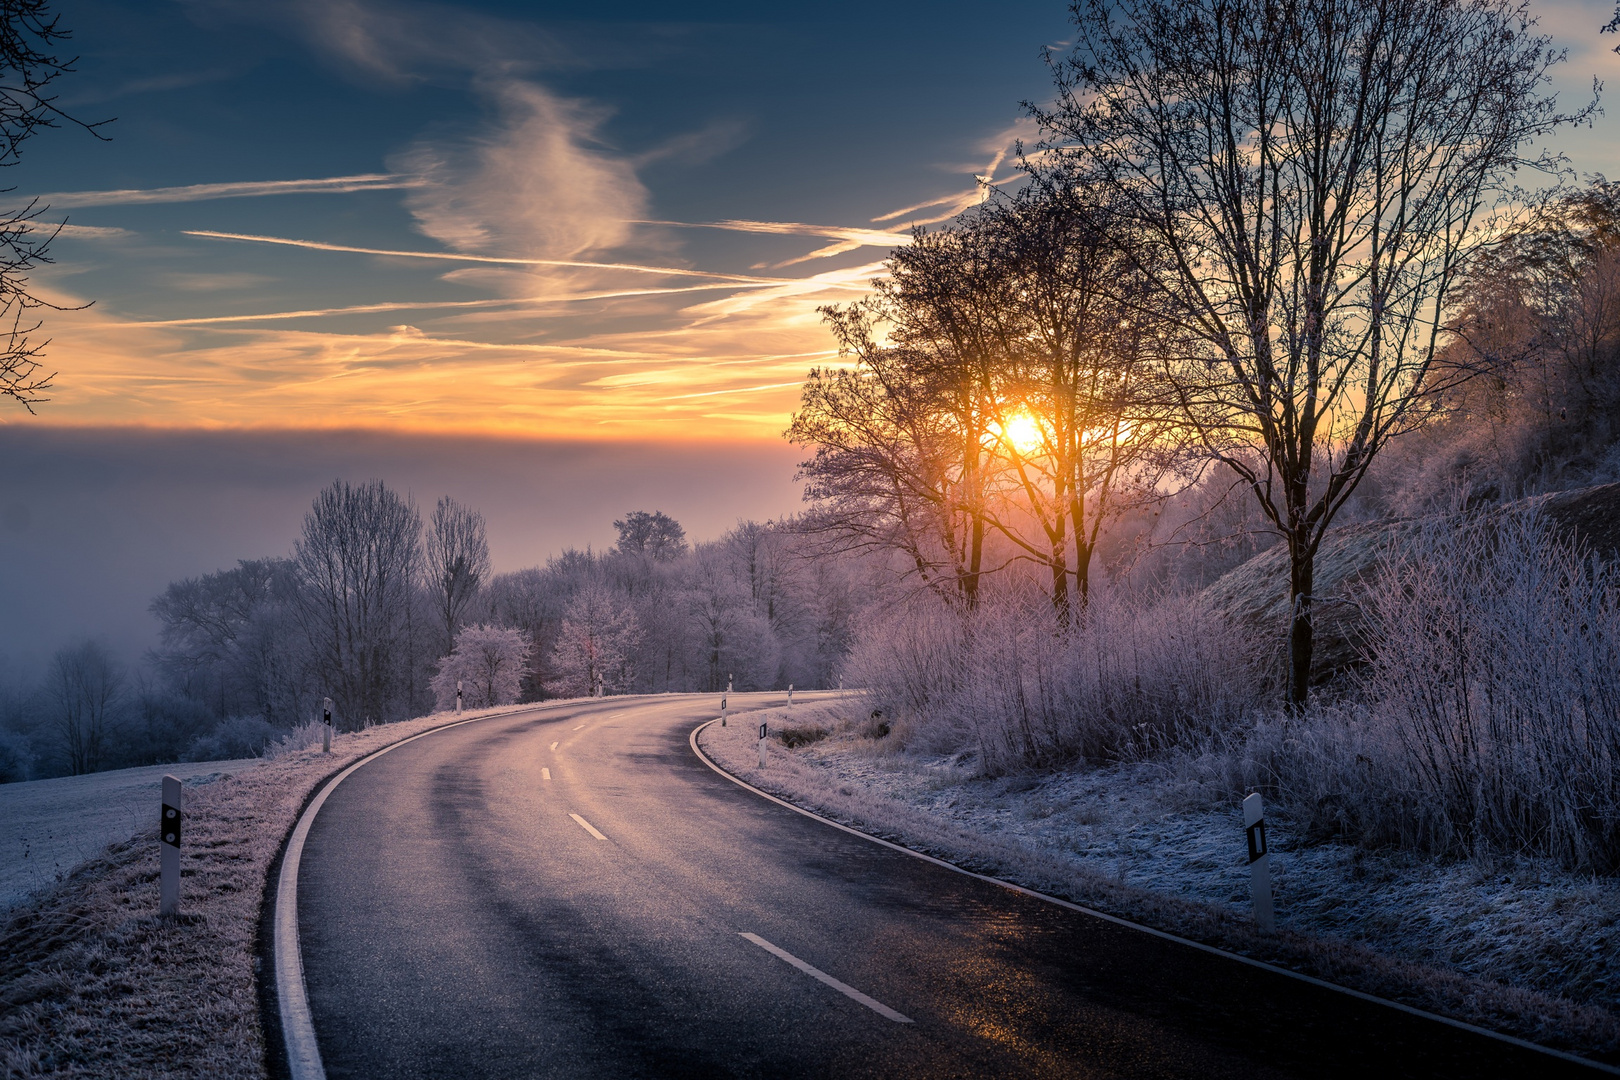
pixel 572 893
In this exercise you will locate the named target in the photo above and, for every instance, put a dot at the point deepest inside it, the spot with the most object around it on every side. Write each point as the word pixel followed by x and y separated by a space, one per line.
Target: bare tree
pixel 457 563
pixel 1081 419
pixel 656 535
pixel 886 472
pixel 29 65
pixel 358 559
pixel 1310 176
pixel 83 690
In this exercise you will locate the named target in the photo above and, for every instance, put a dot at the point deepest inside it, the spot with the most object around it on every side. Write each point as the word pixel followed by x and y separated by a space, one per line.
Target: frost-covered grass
pixel 1517 945
pixel 54 825
pixel 94 984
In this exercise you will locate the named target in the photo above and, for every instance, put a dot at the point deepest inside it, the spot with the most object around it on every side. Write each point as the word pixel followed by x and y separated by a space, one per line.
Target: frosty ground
pixel 1516 945
pixel 54 825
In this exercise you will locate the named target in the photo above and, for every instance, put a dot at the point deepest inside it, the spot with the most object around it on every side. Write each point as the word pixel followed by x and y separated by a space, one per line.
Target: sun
pixel 1022 431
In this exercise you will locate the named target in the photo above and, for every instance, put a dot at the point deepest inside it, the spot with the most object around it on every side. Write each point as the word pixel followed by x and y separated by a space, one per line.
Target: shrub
pixel 1131 677
pixel 1489 717
pixel 235 737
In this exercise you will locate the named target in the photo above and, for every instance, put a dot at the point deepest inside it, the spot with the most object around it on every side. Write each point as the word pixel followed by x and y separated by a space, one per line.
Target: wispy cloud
pixel 238 189
pixel 537 183
pixel 844 238
pixel 440 305
pixel 456 256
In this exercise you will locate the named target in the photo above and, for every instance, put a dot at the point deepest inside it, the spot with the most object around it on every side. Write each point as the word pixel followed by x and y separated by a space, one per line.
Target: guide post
pixel 169 848
pixel 1254 825
pixel 764 730
pixel 326 725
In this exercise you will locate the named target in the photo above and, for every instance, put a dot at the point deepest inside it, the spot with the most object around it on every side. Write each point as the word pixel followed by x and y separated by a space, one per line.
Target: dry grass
pixel 93 983
pixel 840 777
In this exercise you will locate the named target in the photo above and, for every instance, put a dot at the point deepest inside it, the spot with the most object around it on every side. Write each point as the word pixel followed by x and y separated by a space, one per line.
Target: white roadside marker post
pixel 169 848
pixel 458 697
pixel 722 712
pixel 764 729
pixel 1254 825
pixel 790 695
pixel 326 725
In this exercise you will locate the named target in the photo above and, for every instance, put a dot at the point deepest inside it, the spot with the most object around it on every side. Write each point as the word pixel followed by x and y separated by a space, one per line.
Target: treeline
pixel 385 614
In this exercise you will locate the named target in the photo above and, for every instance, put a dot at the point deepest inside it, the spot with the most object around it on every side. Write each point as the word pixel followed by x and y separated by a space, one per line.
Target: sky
pixel 557 263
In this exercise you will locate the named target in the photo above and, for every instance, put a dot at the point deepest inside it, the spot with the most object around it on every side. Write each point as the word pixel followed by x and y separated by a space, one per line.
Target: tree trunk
pixel 1301 635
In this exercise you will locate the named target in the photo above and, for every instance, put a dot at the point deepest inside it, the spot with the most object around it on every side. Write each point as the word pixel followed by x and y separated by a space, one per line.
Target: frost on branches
pixel 592 657
pixel 490 661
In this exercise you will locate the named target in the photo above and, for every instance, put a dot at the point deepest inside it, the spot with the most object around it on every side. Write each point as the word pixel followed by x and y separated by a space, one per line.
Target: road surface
pixel 573 893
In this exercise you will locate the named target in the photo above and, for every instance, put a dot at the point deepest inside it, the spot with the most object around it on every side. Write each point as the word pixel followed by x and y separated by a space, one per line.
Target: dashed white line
pixel 817 974
pixel 580 728
pixel 587 826
pixel 545 773
pixel 554 746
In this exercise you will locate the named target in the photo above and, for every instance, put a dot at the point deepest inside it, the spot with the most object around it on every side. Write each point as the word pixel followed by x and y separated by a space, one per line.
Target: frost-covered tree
pixel 594 649
pixel 489 661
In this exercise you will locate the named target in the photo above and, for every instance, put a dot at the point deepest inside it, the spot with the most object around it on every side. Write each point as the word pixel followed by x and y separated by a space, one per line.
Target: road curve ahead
pixel 571 893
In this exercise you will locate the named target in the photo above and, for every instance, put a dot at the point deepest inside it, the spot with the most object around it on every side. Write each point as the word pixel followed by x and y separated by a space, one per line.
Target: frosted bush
pixel 1131 677
pixel 1490 713
pixel 489 662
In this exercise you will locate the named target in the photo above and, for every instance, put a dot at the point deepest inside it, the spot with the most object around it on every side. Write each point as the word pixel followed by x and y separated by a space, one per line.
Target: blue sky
pixel 712 174
pixel 589 334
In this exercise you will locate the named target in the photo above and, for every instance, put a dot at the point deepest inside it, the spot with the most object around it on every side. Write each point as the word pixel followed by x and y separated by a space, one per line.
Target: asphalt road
pixel 567 894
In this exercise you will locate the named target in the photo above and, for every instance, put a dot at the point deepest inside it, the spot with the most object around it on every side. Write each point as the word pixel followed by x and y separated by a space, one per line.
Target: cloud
pixel 428 305
pixel 537 184
pixel 844 239
pixel 454 256
pixel 239 189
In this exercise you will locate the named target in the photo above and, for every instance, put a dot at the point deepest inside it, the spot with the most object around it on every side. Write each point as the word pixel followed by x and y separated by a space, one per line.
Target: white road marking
pixel 821 976
pixel 545 774
pixel 554 746
pixel 580 728
pixel 587 826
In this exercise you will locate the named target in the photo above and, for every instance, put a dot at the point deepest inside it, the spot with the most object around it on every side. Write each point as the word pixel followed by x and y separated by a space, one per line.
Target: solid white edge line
pixel 587 826
pixel 1117 921
pixel 292 996
pixel 821 976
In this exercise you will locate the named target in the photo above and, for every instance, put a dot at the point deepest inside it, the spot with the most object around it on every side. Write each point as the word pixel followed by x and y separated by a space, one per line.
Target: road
pixel 573 893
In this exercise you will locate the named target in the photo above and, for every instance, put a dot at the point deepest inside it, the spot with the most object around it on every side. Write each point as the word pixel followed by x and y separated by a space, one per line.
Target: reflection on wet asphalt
pixel 458 922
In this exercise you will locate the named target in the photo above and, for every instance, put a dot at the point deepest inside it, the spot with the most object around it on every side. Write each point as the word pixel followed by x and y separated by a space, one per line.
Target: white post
pixel 764 729
pixel 169 848
pixel 1254 825
pixel 729 679
pixel 326 725
pixel 458 697
pixel 722 712
pixel 790 695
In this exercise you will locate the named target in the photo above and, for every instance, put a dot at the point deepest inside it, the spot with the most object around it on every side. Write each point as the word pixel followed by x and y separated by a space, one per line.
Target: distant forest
pixel 383 612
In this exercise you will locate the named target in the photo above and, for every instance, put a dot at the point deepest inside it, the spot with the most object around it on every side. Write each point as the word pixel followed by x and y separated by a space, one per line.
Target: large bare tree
pixel 1311 176
pixel 457 563
pixel 358 559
